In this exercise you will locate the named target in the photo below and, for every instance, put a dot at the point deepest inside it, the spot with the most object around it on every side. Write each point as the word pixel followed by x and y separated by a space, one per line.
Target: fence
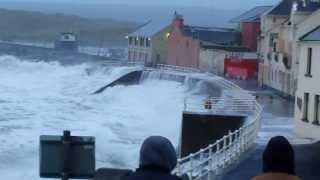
pixel 121 63
pixel 177 68
pixel 209 162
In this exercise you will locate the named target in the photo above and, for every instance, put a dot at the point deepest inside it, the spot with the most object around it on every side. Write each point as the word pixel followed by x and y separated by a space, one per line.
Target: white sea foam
pixel 46 98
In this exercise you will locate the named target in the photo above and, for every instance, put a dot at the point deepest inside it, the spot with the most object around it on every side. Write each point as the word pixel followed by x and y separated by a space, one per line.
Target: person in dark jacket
pixel 157 159
pixel 278 161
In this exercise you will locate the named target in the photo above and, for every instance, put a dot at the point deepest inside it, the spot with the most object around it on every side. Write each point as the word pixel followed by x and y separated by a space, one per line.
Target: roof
pixel 309 6
pixel 67 33
pixel 149 29
pixel 285 6
pixel 215 35
pixel 252 15
pixel 227 48
pixel 313 35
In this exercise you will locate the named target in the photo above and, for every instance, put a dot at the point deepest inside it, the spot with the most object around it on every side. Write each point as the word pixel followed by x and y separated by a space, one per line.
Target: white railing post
pixel 179 173
pixel 201 163
pixel 224 151
pixel 230 154
pixel 210 161
pixel 191 166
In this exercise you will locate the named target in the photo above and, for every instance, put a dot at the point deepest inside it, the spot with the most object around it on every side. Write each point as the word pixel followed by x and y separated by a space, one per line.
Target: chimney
pixel 177 20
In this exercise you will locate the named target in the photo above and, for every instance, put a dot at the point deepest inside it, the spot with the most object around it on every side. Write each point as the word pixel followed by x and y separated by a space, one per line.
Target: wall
pixel 200 130
pixel 182 50
pixel 47 54
pixel 212 60
pixel 308 85
pixel 250 31
pixel 160 46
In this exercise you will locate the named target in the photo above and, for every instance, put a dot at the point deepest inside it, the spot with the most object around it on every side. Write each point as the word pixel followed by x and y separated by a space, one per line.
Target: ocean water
pixel 38 98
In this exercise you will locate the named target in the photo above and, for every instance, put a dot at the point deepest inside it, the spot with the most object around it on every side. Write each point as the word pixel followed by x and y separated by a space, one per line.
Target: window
pixel 136 41
pixel 142 41
pixel 316 109
pixel 309 62
pixel 130 40
pixel 305 107
pixel 158 59
pixel 148 42
pixel 299 102
pixel 274 47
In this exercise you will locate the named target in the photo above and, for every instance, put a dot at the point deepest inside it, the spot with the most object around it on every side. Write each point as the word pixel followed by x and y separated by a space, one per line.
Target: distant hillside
pixel 203 16
pixel 18 25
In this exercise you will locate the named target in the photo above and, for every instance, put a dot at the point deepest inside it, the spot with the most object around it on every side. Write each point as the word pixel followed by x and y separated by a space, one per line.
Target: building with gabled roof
pixel 211 49
pixel 148 44
pixel 186 42
pixel 277 49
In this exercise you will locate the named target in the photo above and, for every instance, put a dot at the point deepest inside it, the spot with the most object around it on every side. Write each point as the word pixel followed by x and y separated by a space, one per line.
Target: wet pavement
pixel 277 119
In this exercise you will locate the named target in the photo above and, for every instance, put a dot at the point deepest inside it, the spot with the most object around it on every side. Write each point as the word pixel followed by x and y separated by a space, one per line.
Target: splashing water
pixel 46 98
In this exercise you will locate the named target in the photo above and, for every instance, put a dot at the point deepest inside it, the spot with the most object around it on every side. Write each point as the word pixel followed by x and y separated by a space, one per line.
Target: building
pixel 149 43
pixel 307 106
pixel 277 47
pixel 67 42
pixel 249 26
pixel 230 61
pixel 187 44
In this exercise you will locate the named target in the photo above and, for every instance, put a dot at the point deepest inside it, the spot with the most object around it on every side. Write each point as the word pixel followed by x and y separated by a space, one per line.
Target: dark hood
pixel 157 151
pixel 279 156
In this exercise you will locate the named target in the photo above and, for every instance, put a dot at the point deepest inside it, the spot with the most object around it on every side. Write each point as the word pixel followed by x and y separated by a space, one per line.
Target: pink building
pixel 185 42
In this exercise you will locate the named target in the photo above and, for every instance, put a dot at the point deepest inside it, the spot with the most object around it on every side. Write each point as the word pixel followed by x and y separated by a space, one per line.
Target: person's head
pixel 279 156
pixel 158 152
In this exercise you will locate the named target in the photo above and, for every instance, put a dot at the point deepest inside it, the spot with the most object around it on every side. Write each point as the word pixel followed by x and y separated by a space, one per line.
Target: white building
pixel 278 50
pixel 307 106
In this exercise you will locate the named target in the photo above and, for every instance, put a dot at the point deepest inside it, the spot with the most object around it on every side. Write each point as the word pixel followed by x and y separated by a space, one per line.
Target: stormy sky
pixel 221 4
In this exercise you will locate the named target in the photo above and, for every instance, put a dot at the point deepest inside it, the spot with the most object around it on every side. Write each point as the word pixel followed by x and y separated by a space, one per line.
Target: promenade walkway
pixel 277 119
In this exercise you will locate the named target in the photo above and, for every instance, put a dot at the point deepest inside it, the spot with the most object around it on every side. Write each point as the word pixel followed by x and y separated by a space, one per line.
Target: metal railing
pixel 210 162
pixel 177 68
pixel 225 84
pixel 121 63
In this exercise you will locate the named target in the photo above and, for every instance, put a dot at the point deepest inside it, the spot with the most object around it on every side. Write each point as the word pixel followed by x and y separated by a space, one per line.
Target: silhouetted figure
pixel 278 161
pixel 157 159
